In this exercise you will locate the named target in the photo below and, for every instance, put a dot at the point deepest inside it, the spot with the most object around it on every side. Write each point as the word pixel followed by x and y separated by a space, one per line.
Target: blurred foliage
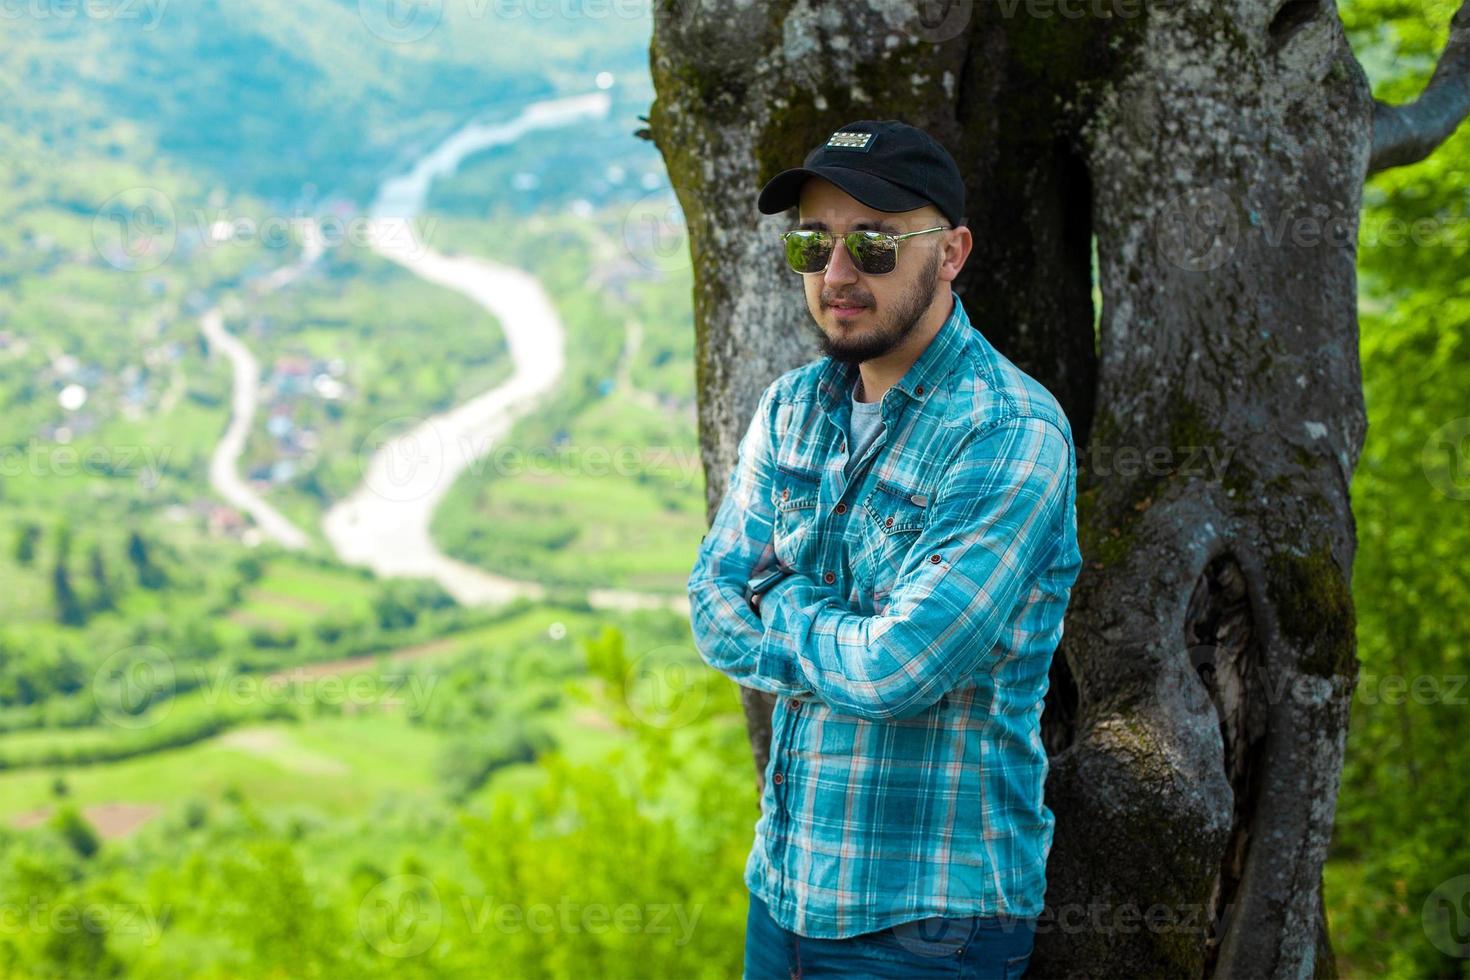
pixel 1405 796
pixel 628 867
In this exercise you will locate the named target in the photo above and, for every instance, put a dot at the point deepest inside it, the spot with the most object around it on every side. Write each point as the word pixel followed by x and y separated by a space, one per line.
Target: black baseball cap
pixel 886 164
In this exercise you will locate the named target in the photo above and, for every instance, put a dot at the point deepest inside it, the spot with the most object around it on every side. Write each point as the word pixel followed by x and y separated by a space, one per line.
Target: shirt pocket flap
pixel 795 487
pixel 893 508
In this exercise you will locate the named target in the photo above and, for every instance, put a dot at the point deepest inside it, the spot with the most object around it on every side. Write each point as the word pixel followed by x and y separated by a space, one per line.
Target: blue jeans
pixel 975 946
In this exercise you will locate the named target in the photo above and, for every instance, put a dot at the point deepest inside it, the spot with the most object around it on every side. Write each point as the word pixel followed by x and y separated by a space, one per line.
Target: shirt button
pixel 888 522
pixel 842 508
pixel 778 779
pixel 919 390
pixel 794 703
pixel 934 559
pixel 785 494
pixel 829 578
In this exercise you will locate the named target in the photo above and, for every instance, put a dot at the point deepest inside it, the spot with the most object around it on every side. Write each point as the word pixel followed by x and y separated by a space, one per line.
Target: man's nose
pixel 839 267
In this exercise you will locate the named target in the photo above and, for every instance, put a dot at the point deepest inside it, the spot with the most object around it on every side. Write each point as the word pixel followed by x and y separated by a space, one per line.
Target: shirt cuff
pixel 806 591
pixel 787 613
pixel 777 656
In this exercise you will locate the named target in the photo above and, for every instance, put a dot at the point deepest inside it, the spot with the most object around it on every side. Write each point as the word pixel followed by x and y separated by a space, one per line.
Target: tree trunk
pixel 1215 153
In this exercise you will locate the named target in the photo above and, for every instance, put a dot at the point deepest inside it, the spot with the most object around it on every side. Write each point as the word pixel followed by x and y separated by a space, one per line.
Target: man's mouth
pixel 845 310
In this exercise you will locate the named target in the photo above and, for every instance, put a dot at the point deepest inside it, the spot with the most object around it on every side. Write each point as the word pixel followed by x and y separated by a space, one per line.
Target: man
pixel 892 558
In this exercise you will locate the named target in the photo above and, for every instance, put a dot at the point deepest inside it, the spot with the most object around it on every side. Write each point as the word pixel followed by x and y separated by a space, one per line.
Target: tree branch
pixel 1404 134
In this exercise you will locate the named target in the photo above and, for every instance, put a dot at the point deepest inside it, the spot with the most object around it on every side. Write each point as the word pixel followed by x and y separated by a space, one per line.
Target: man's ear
pixel 960 244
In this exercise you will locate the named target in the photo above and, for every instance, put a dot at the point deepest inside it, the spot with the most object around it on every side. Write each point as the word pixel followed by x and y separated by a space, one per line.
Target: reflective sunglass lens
pixel 808 251
pixel 875 254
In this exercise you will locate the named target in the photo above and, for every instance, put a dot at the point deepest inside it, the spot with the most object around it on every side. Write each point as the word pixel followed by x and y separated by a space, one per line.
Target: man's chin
pixel 852 354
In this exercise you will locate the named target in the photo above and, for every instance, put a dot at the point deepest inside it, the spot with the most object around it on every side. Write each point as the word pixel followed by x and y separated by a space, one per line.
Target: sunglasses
pixel 873 252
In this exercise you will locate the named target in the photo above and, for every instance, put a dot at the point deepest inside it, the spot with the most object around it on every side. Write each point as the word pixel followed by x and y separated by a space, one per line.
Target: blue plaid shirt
pixel 911 648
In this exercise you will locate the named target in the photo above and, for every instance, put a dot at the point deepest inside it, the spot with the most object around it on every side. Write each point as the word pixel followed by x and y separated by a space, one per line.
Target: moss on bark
pixel 1315 606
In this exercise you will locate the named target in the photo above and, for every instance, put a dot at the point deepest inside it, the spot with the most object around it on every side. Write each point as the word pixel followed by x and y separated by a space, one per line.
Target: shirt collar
pixel 836 378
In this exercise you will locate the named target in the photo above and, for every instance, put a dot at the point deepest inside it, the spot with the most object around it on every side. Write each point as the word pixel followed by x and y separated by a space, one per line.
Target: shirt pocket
pixel 893 520
pixel 794 496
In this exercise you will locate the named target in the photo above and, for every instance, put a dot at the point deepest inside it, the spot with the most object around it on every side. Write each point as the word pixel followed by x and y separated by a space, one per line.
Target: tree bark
pixel 1215 153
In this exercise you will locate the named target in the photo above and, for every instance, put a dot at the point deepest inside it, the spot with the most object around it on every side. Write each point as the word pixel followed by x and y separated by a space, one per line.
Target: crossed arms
pixel 995 521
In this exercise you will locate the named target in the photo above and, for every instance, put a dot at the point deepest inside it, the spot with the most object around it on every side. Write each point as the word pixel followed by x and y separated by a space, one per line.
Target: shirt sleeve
pixel 738 545
pixel 995 523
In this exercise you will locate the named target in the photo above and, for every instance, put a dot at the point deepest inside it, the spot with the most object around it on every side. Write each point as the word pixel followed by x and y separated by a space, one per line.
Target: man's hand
pixel 803 584
pixel 764 579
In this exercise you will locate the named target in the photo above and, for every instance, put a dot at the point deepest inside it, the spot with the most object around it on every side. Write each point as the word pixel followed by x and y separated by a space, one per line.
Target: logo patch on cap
pixel 852 141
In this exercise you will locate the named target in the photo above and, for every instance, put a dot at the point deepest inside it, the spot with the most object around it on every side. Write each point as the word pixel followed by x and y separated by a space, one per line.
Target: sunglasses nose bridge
pixel 841 266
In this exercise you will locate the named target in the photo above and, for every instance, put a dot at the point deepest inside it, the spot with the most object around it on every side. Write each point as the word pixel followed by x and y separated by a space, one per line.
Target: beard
pixel 852 346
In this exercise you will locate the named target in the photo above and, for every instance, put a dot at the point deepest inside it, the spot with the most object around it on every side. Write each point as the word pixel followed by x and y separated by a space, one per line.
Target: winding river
pixel 384 523
pixel 224 473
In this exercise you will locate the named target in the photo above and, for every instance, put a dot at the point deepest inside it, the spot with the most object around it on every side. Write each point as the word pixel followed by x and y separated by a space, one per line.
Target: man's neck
pixel 881 373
